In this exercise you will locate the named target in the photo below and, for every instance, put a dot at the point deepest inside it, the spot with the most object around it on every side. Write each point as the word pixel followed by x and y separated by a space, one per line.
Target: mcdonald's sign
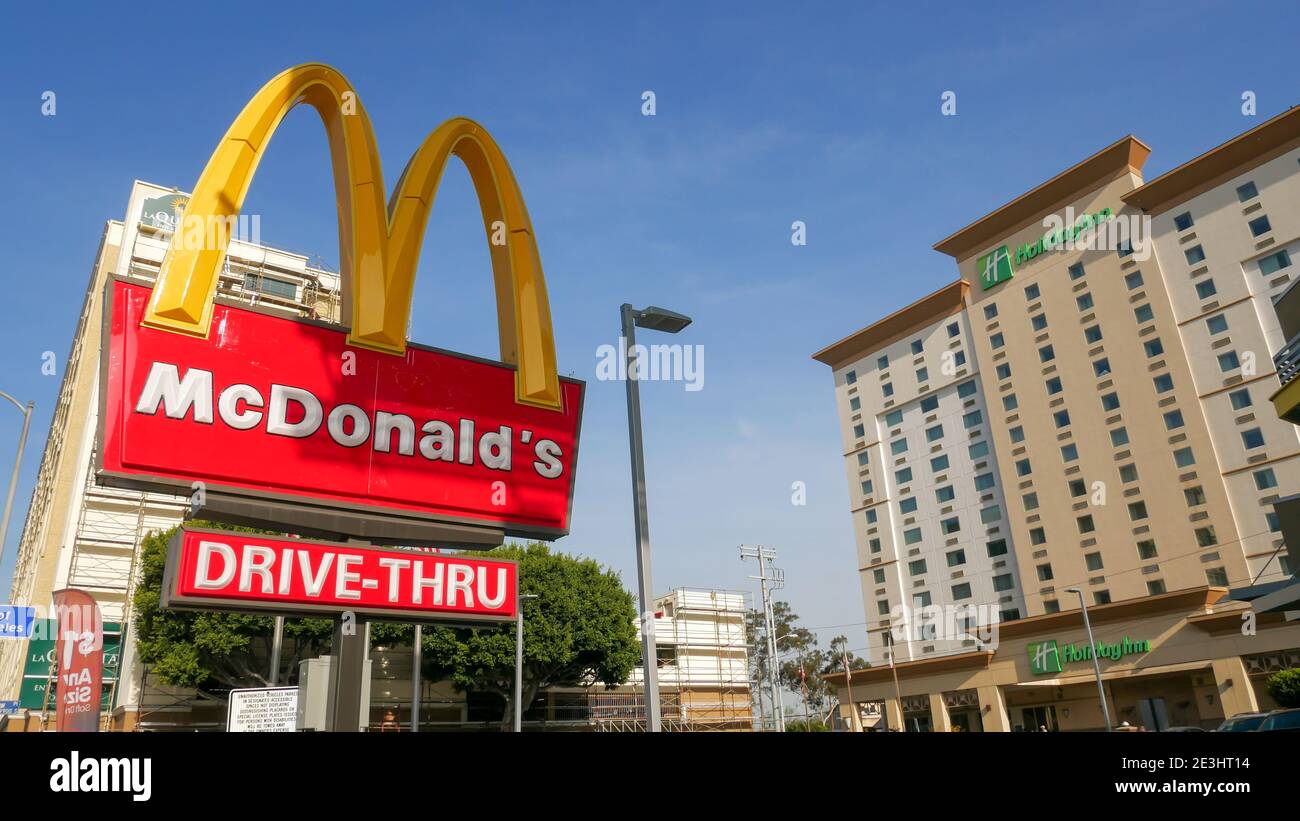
pixel 293 413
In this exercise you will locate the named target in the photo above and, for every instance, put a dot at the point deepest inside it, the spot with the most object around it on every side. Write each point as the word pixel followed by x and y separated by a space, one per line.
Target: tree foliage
pixel 803 665
pixel 1284 687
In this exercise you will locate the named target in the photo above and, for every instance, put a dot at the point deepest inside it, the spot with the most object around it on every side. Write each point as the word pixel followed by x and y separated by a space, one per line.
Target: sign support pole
pixel 417 659
pixel 277 642
pixel 349 665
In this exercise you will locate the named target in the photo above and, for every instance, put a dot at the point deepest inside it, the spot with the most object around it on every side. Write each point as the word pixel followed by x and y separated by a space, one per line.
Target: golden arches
pixel 379 247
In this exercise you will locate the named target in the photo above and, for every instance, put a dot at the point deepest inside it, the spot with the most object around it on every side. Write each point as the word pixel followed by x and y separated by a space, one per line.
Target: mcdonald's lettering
pixel 195 389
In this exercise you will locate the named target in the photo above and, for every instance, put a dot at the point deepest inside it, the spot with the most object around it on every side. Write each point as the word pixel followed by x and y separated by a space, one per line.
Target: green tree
pixel 212 652
pixel 579 631
pixel 803 664
pixel 1284 687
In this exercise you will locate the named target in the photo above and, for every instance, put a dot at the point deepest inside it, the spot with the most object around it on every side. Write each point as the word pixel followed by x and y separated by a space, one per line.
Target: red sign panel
pixel 284 409
pixel 244 571
pixel 80 647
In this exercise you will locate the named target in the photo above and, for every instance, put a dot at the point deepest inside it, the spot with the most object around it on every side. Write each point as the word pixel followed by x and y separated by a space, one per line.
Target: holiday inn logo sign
pixel 1064 234
pixel 1047 657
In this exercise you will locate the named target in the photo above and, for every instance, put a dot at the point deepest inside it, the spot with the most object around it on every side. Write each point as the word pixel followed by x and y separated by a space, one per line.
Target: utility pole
pixel 766 583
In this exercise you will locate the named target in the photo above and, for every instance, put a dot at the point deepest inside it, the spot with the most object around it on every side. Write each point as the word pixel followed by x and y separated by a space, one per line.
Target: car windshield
pixel 1241 725
pixel 1284 721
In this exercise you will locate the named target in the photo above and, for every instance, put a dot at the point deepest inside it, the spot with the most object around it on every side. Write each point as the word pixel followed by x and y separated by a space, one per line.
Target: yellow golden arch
pixel 378 247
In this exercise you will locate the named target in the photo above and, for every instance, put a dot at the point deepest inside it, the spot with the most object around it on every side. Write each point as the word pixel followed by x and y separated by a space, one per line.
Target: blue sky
pixel 766 113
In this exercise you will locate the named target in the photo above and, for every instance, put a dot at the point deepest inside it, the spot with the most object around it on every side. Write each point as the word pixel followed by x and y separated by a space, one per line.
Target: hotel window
pixel 875 545
pixel 871 516
pixel 1128 473
pixel 997 547
pixel 1092 334
pixel 936 432
pixel 979 450
pixel 1023 468
pixel 972 419
pixel 1038 321
pixel 882 607
pixel 917 347
pixel 1101 597
pixel 1093 561
pixel 1264 479
pixel 894 418
pixel 907 505
pixel 1240 399
pixel 1054 386
pixel 916 567
pixel 1155 587
pixel 989 515
pixel 1046 354
pixel 1274 526
pixel 966 389
pixel 1051 606
pixel 1101 367
pixel 1195 496
pixel 1045 573
pixel 912 536
pixel 990 310
pixel 1184 458
pixel 1183 221
pixel 950 526
pixel 1153 347
pixel 1078 488
pixel 953 330
pixel 1085 523
pixel 851 378
pixel 864 458
pixel 922 374
pixel 1010 614
pixel 1247 191
pixel 1217 324
pixel 1017 434
pixel 859 431
pixel 1194 255
pixel 1125 248
pixel 1062 418
pixel 1137 511
pixel 1119 437
pixel 883 362
pixel 1110 401
pixel 939 463
pixel 1031 292
pixel 1147 549
pixel 959 358
pixel 1206 289
pixel 1003 581
pixel 1259 225
pixel 1206 537
pixel 1143 313
pixel 961 591
pixel 1273 263
pixel 866 488
pixel 929 403
pixel 1030 501
pixel 1070 452
pixel 1253 438
pixel 983 482
pixel 1009 402
pixel 888 389
pixel 903 476
pixel 1004 371
pixel 944 494
pixel 898 446
pixel 1217 577
pixel 1037 536
pixel 270 285
pixel 855 404
pixel 879 575
pixel 1076 271
pixel 1173 420
pixel 1084 301
pixel 1133 280
pixel 1164 383
pixel 996 340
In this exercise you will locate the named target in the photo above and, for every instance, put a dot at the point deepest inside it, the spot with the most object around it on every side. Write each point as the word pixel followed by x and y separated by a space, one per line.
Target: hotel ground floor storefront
pixel 1184 659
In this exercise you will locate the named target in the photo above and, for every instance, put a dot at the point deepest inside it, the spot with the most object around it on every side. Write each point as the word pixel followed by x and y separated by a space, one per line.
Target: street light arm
pixel 25 409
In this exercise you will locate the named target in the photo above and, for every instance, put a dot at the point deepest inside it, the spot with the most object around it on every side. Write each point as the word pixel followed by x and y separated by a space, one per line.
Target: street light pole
pixel 18 466
pixel 657 319
pixel 519 661
pixel 1096 665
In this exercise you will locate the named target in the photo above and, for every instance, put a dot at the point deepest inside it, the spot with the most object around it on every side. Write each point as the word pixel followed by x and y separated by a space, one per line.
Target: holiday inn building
pixel 1087 407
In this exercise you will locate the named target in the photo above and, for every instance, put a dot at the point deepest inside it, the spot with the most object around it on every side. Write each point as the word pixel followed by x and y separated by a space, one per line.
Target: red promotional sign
pixel 208 569
pixel 80 646
pixel 283 409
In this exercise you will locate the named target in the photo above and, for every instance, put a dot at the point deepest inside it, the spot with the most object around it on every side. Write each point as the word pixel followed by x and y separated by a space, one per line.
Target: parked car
pixel 1185 730
pixel 1281 721
pixel 1242 723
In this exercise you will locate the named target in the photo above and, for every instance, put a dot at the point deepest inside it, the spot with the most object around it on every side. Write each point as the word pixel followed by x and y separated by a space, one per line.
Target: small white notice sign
pixel 262 710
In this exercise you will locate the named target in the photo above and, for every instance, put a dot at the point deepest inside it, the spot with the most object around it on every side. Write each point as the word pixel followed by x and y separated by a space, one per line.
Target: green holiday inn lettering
pixel 999 265
pixel 1048 657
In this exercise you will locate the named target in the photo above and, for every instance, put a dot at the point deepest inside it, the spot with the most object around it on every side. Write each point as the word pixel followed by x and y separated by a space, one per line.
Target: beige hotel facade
pixel 1090 416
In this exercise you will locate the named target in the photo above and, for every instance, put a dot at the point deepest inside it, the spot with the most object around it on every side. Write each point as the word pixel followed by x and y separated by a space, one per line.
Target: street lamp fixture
pixel 652 319
pixel 1096 665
